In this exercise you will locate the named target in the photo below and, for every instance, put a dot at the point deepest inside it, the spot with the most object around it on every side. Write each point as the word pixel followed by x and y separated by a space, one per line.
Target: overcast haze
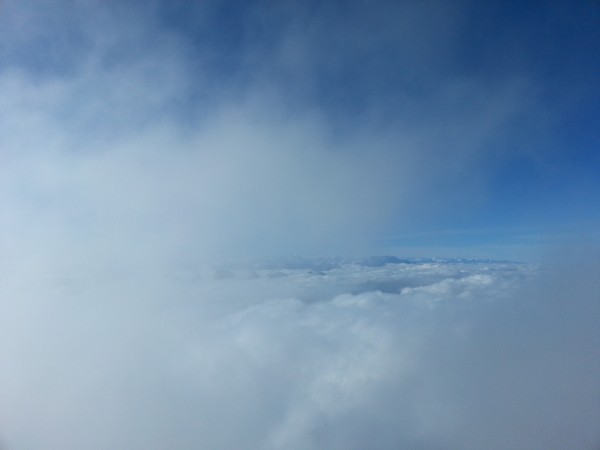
pixel 191 194
pixel 180 130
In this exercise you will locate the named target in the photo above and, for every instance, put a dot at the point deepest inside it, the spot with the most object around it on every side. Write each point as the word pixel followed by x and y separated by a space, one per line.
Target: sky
pixel 196 199
pixel 241 128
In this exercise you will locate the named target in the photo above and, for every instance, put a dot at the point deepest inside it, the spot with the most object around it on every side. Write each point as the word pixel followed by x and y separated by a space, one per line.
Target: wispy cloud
pixel 137 149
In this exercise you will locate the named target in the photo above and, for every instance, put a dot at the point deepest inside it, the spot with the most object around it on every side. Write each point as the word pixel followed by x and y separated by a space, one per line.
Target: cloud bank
pixel 127 138
pixel 421 355
pixel 138 145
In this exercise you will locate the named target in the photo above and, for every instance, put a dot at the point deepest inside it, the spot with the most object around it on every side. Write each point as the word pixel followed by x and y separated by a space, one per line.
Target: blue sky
pixel 408 127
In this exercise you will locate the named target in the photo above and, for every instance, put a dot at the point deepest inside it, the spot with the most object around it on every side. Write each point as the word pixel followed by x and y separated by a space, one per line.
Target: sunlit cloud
pixel 189 195
pixel 431 355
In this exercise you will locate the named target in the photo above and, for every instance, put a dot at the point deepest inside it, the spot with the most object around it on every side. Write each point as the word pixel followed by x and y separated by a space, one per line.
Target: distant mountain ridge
pixel 324 264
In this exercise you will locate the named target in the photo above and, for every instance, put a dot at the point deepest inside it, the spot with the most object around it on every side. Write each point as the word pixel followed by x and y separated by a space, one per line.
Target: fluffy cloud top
pixel 421 355
pixel 141 141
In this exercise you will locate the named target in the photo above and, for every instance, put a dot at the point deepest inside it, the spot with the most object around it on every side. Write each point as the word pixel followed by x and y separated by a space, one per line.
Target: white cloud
pixel 135 158
pixel 495 361
pixel 139 152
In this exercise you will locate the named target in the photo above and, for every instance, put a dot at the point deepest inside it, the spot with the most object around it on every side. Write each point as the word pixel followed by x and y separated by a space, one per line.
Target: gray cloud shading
pixel 121 135
pixel 141 145
pixel 463 356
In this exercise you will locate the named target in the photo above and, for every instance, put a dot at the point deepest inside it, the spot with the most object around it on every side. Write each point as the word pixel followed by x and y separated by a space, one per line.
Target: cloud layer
pixel 429 355
pixel 127 137
pixel 140 144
